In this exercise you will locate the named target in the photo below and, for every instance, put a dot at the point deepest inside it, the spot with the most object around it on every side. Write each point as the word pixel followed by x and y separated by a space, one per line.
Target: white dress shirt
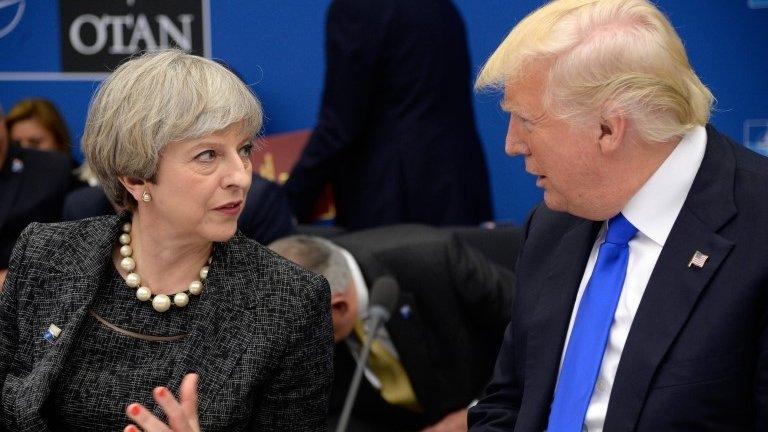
pixel 652 210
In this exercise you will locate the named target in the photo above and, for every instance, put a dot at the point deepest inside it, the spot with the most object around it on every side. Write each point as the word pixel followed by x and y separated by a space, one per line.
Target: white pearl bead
pixel 143 293
pixel 125 238
pixel 204 272
pixel 126 250
pixel 128 264
pixel 161 303
pixel 196 287
pixel 127 227
pixel 133 280
pixel 180 299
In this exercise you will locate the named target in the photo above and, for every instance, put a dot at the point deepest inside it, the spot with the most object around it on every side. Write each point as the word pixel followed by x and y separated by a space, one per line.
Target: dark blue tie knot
pixel 620 230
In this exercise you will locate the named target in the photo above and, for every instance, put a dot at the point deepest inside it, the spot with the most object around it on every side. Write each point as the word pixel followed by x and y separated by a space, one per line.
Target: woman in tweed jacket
pixel 163 318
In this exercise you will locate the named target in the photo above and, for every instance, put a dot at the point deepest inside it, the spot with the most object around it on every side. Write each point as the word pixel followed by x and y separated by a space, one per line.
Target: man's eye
pixel 246 150
pixel 206 156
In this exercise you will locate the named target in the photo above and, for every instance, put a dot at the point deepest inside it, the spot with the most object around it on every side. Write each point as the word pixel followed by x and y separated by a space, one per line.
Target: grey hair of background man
pixel 317 255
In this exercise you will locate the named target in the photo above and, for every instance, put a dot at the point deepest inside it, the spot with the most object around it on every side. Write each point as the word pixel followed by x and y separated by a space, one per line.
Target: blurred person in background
pixel 436 352
pixel 396 134
pixel 164 317
pixel 37 124
pixel 33 184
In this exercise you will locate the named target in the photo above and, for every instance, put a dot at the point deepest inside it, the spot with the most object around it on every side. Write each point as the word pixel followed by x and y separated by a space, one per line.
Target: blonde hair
pixel 153 100
pixel 605 57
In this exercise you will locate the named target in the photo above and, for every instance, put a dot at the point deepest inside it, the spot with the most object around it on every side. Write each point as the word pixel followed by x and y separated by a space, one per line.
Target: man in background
pixel 437 350
pixel 642 283
pixel 396 135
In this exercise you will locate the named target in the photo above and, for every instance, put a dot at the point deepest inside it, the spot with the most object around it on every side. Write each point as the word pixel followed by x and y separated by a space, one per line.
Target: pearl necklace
pixel 160 302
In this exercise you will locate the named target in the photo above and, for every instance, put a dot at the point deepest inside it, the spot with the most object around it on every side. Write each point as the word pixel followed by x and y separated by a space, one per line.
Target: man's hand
pixel 453 422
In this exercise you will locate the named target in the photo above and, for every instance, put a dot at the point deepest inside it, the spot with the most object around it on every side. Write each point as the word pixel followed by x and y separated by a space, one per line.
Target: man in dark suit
pixel 396 135
pixel 265 218
pixel 642 298
pixel 445 330
pixel 32 188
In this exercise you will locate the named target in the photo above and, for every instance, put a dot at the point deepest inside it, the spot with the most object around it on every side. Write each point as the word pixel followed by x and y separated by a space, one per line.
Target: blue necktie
pixel 589 334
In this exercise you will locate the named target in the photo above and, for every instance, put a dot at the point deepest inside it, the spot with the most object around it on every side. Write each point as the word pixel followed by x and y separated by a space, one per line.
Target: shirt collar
pixel 358 281
pixel 654 208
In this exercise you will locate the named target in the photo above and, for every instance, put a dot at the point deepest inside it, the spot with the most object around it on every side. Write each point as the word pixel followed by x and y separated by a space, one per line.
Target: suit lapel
pixel 674 286
pixel 225 324
pixel 550 318
pixel 62 298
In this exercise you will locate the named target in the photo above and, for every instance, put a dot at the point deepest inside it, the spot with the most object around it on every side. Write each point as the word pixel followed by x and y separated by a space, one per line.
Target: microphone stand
pixel 362 360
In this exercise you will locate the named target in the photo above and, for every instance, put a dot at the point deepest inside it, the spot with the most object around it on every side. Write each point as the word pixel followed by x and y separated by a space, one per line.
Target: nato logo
pixel 757 4
pixel 756 135
pixel 11 12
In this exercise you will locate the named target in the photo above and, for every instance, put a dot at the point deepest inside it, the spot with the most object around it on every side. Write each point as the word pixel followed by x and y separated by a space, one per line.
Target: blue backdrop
pixel 277 47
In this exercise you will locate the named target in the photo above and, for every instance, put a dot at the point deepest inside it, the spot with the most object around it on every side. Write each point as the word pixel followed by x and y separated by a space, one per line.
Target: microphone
pixel 384 294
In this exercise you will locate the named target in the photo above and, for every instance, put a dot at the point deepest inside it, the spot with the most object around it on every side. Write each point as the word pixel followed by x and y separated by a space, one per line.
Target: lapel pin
pixel 17 166
pixel 405 311
pixel 52 333
pixel 698 259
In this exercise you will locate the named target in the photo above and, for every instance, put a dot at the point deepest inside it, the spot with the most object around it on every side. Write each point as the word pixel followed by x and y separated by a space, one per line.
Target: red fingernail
pixel 134 410
pixel 132 428
pixel 161 392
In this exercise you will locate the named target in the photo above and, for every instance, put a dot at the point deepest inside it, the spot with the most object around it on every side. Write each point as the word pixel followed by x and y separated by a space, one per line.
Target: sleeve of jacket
pixel 267 216
pixel 9 330
pixel 497 410
pixel 296 399
pixel 353 43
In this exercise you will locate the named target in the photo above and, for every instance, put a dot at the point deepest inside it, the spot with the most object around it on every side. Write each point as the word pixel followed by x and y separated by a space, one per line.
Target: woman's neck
pixel 166 259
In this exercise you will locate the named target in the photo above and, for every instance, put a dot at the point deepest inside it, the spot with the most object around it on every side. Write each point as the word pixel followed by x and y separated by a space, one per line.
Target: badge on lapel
pixel 17 166
pixel 52 333
pixel 405 311
pixel 697 260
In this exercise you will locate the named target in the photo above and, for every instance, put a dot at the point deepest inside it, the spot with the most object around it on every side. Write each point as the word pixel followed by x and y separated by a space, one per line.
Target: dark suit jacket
pixel 696 358
pixel 261 343
pixel 265 218
pixel 447 327
pixel 396 134
pixel 34 193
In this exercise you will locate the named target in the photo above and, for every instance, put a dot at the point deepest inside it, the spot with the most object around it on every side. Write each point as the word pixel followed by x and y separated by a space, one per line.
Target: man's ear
pixel 134 186
pixel 339 304
pixel 613 129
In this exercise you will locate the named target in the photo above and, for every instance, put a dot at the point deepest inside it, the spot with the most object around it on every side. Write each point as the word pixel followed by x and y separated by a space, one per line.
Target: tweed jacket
pixel 261 338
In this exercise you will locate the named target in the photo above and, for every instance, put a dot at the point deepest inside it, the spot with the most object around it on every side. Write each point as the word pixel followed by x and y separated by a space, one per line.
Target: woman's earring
pixel 146 197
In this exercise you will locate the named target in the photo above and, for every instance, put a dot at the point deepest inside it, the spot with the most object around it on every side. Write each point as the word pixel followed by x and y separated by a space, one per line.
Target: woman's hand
pixel 182 414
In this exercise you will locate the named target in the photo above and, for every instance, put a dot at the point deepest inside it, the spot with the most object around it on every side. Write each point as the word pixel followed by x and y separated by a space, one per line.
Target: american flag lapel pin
pixel 698 259
pixel 52 333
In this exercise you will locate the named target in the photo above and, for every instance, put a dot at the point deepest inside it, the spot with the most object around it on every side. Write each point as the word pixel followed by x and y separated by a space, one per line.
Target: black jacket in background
pixel 396 135
pixel 32 188
pixel 447 326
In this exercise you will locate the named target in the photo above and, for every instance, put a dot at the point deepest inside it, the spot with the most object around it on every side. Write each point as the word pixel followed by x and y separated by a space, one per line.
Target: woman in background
pixel 37 124
pixel 104 321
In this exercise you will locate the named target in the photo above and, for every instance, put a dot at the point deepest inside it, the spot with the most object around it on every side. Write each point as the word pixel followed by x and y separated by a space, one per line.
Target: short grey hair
pixel 317 255
pixel 153 100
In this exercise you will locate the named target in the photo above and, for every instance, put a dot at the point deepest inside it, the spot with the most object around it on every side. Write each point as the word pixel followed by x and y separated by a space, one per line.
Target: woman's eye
pixel 246 150
pixel 206 156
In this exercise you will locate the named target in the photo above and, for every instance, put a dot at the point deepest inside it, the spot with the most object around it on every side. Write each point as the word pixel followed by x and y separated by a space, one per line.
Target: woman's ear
pixel 135 187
